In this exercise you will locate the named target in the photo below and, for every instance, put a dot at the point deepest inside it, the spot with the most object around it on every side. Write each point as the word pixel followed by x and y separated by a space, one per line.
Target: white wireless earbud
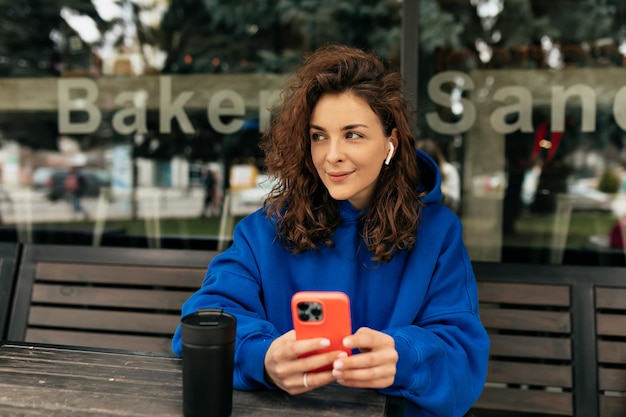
pixel 390 154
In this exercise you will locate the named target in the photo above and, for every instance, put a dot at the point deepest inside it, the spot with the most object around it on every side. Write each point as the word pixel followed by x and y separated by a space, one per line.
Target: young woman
pixel 356 209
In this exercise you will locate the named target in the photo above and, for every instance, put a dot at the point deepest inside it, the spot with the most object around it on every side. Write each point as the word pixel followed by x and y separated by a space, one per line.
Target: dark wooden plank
pixel 520 319
pixel 101 377
pixel 73 355
pixel 122 404
pixel 103 340
pixel 530 401
pixel 109 297
pixel 530 374
pixel 612 379
pixel 611 352
pixel 528 294
pixel 612 406
pixel 531 347
pixel 245 404
pixel 15 411
pixel 111 380
pixel 68 382
pixel 611 324
pixel 99 320
pixel 9 256
pixel 120 274
pixel 614 298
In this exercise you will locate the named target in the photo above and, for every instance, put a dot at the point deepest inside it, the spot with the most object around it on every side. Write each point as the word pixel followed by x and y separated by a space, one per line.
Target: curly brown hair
pixel 304 213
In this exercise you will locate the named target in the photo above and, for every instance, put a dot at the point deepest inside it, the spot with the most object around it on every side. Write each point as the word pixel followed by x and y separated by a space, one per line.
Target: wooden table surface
pixel 51 381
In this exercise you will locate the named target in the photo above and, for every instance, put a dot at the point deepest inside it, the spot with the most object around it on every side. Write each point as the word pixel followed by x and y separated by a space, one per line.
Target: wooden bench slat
pixel 612 406
pixel 611 352
pixel 540 321
pixel 99 320
pixel 530 373
pixel 612 379
pixel 530 401
pixel 528 294
pixel 102 340
pixel 614 298
pixel 123 275
pixel 112 297
pixel 611 324
pixel 531 347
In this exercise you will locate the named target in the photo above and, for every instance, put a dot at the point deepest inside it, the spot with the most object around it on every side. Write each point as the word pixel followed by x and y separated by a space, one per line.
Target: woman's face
pixel 348 147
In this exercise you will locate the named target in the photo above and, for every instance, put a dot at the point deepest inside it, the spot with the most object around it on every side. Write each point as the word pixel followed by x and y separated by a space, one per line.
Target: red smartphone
pixel 322 314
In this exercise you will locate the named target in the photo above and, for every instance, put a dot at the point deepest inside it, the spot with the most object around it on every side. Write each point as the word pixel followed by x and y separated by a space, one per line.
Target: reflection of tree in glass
pixel 269 36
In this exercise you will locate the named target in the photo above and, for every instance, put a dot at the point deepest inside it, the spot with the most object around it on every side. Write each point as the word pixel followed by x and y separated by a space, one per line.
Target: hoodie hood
pixel 430 176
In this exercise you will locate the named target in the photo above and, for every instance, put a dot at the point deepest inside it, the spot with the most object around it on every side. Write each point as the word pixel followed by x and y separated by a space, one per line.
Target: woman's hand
pixel 374 367
pixel 293 374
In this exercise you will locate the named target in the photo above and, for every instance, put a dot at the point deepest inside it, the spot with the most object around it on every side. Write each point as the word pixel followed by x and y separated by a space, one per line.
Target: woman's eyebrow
pixel 354 126
pixel 316 127
pixel 348 127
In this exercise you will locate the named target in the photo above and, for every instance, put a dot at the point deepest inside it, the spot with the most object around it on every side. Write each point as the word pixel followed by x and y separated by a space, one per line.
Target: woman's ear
pixel 393 142
pixel 392 148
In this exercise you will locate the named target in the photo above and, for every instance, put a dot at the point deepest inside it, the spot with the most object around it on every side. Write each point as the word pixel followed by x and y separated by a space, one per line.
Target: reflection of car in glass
pixel 40 177
pixel 94 180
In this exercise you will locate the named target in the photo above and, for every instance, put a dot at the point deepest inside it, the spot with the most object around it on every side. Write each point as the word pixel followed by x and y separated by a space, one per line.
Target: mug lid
pixel 208 326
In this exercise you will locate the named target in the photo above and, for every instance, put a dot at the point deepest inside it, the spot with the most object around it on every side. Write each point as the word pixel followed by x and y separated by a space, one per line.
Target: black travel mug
pixel 208 337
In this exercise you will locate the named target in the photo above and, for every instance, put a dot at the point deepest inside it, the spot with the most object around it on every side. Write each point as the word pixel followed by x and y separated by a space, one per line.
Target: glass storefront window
pixel 525 100
pixel 528 100
pixel 143 99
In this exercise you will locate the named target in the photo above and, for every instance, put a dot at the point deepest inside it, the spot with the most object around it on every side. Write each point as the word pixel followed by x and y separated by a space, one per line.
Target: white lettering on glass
pixel 520 110
pixel 173 109
pixel 215 111
pixel 85 103
pixel 587 97
pixel 458 82
pixel 226 109
pixel 619 108
pixel 135 113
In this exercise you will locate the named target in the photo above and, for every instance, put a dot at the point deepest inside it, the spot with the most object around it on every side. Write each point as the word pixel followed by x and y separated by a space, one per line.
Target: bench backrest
pixel 9 256
pixel 118 298
pixel 558 337
pixel 531 345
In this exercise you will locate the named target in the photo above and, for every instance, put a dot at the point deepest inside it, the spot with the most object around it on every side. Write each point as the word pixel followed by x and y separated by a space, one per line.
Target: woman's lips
pixel 338 176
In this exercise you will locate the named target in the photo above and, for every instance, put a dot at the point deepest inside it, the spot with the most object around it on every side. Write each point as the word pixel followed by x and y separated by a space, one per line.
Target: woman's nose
pixel 335 151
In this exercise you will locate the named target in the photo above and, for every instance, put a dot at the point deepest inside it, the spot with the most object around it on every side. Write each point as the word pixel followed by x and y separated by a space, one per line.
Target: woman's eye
pixel 316 137
pixel 353 135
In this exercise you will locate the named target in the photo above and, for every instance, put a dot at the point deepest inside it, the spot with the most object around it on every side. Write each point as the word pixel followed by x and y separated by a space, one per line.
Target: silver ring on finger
pixel 306 385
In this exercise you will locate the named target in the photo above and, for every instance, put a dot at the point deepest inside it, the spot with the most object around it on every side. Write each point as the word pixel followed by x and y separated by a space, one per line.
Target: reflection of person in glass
pixel 209 185
pixel 450 182
pixel 356 209
pixel 74 186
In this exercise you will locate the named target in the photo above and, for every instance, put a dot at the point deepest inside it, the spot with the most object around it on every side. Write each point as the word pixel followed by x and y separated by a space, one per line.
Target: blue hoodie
pixel 426 299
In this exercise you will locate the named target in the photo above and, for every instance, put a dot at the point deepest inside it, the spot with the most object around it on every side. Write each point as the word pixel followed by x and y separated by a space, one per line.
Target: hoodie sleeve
pixel 231 283
pixel 443 356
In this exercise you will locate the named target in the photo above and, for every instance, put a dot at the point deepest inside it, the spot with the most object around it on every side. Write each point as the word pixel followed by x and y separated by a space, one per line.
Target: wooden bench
pixel 558 332
pixel 547 324
pixel 118 298
pixel 9 257
pixel 610 303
